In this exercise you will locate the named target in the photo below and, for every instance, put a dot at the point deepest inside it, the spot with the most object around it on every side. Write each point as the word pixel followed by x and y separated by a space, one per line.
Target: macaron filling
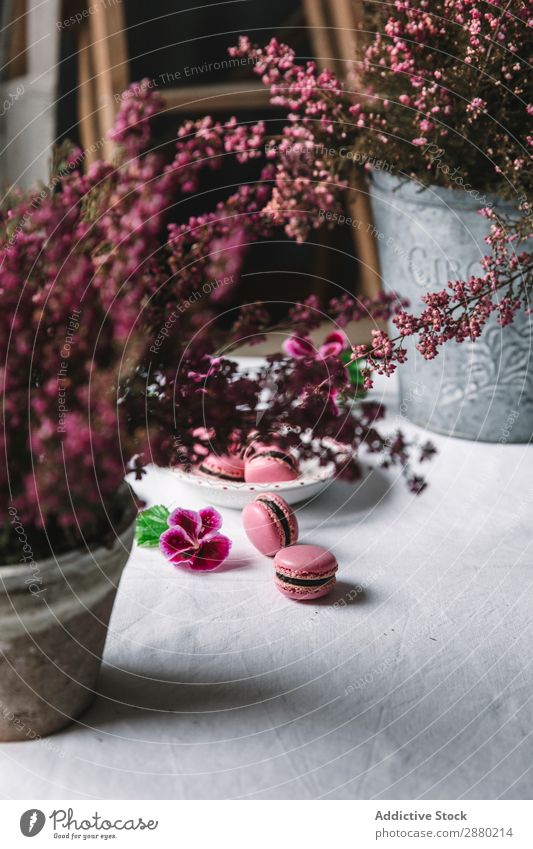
pixel 276 455
pixel 304 582
pixel 305 572
pixel 280 516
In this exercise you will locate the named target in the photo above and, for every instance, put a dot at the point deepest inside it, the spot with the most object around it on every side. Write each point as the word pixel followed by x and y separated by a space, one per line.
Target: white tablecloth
pixel 215 686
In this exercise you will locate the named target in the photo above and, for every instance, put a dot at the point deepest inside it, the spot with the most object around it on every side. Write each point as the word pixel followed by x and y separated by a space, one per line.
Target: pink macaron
pixel 269 523
pixel 225 467
pixel 305 572
pixel 269 464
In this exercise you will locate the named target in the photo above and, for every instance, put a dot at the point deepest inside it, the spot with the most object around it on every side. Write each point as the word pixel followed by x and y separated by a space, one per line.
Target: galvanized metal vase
pixel 482 390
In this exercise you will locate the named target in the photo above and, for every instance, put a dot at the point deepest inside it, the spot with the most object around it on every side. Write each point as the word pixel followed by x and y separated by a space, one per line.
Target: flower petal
pixel 212 553
pixel 299 347
pixel 189 520
pixel 333 345
pixel 175 545
pixel 211 521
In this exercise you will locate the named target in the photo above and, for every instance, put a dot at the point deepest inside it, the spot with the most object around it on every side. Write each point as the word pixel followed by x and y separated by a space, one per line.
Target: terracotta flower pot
pixel 53 624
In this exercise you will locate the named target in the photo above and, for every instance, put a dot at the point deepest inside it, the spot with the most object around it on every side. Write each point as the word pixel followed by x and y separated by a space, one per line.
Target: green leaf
pixel 150 525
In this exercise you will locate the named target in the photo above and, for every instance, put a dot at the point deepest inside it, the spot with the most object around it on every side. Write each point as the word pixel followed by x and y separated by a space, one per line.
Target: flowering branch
pixel 460 312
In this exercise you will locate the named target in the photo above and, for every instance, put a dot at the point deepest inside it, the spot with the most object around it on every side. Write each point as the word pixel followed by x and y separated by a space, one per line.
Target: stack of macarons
pixel 261 463
pixel 302 572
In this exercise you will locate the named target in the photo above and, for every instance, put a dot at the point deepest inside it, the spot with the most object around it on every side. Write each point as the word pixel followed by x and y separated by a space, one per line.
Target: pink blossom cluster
pixel 129 206
pixel 204 142
pixel 442 75
pixel 138 105
pixel 61 446
pixel 306 178
pixel 298 178
pixel 314 97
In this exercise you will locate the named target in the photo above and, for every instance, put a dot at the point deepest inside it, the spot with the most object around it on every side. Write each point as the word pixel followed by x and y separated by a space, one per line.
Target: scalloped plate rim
pixel 305 479
pixel 306 485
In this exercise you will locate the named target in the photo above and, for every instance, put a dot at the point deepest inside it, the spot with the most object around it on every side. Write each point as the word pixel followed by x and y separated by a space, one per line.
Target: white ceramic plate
pixel 313 478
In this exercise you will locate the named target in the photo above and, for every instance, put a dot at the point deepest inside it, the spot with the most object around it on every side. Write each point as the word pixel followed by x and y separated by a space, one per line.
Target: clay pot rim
pixel 78 560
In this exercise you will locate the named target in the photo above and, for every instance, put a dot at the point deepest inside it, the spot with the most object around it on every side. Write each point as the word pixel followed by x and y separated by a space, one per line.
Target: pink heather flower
pixel 225 262
pixel 138 106
pixel 192 539
pixel 301 347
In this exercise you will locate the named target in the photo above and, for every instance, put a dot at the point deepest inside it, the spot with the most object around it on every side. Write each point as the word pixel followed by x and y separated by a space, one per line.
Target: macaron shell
pixel 277 504
pixel 305 563
pixel 303 560
pixel 270 523
pixel 305 593
pixel 223 466
pixel 268 470
pixel 261 529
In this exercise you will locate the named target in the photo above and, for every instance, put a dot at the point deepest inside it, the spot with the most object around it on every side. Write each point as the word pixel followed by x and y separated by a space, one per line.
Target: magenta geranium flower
pixel 192 539
pixel 301 347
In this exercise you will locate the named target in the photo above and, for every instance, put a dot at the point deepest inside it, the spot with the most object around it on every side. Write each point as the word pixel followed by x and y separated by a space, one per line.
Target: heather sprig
pixel 459 312
pixel 306 398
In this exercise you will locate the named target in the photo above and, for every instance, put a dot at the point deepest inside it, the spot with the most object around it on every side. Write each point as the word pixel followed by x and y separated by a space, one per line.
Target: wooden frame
pixel 15 36
pixel 103 72
pixel 334 25
pixel 216 98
